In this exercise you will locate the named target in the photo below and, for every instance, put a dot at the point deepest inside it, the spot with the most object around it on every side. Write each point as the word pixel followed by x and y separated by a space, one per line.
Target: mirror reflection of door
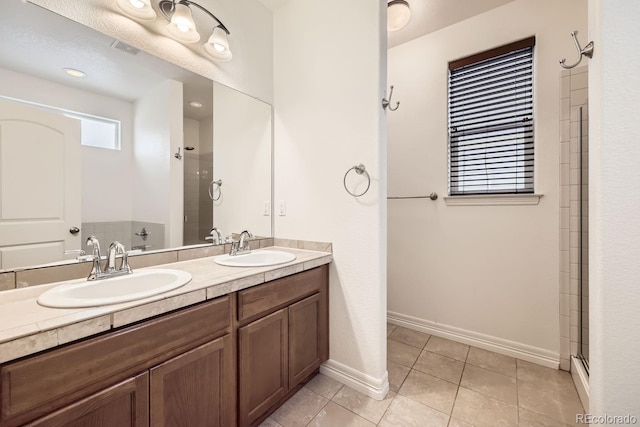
pixel 39 185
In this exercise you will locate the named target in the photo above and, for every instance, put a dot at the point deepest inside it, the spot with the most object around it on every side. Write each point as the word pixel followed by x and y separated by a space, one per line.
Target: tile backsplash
pixel 124 232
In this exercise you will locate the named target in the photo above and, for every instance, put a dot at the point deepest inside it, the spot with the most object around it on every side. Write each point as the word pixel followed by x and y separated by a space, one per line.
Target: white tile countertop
pixel 27 328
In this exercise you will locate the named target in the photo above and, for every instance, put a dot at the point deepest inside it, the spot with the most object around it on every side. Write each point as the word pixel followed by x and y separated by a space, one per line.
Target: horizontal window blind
pixel 491 122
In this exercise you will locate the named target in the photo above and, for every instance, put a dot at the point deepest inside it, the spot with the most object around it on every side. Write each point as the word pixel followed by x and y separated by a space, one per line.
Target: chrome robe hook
pixel 386 102
pixel 586 51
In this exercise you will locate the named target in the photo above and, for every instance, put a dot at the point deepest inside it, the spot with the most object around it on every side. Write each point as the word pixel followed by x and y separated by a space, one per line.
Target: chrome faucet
pixel 242 245
pixel 96 269
pixel 115 248
pixel 216 238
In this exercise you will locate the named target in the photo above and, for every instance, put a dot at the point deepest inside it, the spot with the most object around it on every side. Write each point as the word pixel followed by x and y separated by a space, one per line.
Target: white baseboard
pixel 581 380
pixel 365 384
pixel 510 348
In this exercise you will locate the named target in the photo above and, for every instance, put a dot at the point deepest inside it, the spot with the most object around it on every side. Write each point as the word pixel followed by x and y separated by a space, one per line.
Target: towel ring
pixel 212 190
pixel 360 169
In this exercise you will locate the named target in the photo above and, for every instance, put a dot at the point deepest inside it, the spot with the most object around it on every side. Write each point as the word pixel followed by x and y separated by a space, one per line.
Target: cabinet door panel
pixel 195 388
pixel 304 338
pixel 263 365
pixel 124 404
pixel 104 360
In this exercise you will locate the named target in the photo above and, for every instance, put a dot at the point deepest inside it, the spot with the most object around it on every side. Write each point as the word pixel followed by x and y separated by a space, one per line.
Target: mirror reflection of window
pixel 98 132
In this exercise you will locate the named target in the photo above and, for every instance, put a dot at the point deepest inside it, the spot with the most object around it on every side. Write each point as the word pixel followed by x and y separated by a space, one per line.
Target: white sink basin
pixel 261 258
pixel 140 284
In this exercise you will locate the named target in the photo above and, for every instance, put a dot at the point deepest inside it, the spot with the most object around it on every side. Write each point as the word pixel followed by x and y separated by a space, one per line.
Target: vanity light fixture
pixel 181 25
pixel 75 73
pixel 183 28
pixel 398 14
pixel 196 104
pixel 137 9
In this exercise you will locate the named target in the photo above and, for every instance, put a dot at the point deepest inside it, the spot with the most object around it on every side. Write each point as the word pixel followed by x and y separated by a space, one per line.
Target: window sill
pixel 493 200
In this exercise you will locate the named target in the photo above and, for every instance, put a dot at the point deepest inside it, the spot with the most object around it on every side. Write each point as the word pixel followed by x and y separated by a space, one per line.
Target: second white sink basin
pixel 262 258
pixel 138 285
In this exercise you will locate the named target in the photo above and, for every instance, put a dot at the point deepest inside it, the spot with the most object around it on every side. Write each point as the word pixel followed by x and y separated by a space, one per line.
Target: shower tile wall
pixel 107 232
pixel 573 203
pixel 123 232
pixel 198 207
pixel 205 214
pixel 191 197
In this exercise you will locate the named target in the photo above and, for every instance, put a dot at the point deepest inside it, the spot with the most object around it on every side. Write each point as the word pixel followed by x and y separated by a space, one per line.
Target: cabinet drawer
pixel 261 299
pixel 124 404
pixel 40 384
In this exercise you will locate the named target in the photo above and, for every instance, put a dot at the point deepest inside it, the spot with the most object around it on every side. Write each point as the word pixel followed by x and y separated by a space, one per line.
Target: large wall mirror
pixel 98 138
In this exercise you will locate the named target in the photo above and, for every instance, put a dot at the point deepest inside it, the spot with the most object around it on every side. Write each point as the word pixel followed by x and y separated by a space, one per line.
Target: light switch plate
pixel 282 208
pixel 267 208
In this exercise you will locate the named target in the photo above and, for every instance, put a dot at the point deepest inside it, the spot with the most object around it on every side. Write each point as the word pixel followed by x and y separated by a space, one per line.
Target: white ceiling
pixel 40 43
pixel 427 16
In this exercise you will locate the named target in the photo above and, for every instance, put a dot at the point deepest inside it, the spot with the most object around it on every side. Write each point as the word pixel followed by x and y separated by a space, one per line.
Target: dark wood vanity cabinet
pixel 139 375
pixel 263 349
pixel 195 388
pixel 283 339
pixel 225 362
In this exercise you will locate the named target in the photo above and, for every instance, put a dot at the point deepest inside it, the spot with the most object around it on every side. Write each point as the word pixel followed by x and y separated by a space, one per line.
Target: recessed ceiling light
pixel 75 73
pixel 196 104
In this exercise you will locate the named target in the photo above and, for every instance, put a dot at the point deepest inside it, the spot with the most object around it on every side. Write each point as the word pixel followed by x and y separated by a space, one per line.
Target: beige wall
pixel 158 175
pixel 487 275
pixel 329 80
pixel 242 139
pixel 614 199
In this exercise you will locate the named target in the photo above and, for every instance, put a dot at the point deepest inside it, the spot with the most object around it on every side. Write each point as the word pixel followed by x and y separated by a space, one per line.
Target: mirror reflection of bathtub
pixel 150 181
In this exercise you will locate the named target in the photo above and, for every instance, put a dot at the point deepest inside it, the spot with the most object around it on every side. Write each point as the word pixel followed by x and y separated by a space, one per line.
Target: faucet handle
pixel 124 265
pixel 93 242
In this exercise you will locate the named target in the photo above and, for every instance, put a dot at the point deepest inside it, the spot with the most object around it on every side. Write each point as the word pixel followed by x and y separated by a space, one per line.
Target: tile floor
pixel 435 382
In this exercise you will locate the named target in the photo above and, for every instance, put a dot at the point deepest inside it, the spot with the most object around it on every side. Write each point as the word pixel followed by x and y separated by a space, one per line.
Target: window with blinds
pixel 491 121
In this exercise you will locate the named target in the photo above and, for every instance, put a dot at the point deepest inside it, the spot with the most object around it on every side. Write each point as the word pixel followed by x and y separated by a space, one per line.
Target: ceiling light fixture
pixel 398 14
pixel 182 27
pixel 196 104
pixel 137 9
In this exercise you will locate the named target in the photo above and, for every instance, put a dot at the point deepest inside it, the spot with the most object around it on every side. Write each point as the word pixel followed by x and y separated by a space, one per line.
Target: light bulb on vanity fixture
pixel 137 9
pixel 181 25
pixel 398 14
pixel 218 46
pixel 179 15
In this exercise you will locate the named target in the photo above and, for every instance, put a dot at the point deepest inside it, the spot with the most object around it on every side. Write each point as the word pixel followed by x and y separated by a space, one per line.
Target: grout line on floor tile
pixel 344 407
pixel 402 383
pixel 323 406
pixel 390 403
pixel 457 391
pixel 517 394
